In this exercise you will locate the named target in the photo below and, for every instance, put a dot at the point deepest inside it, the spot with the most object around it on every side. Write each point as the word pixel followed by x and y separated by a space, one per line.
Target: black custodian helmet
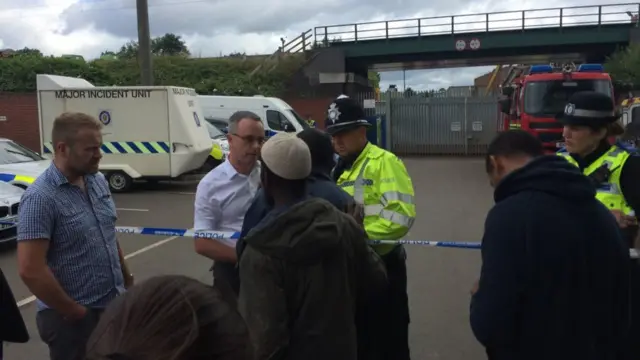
pixel 589 108
pixel 344 114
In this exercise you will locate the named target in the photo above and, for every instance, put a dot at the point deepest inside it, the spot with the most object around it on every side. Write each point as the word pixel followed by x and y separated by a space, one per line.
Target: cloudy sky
pixel 214 27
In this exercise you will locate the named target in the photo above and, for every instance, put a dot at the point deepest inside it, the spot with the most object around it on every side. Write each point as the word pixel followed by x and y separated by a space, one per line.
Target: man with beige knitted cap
pixel 305 266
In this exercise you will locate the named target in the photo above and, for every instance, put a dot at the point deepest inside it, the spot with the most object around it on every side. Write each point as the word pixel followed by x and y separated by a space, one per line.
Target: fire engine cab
pixel 532 96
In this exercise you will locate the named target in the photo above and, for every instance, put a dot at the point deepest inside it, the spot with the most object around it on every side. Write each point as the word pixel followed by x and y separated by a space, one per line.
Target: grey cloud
pixel 432 79
pixel 208 17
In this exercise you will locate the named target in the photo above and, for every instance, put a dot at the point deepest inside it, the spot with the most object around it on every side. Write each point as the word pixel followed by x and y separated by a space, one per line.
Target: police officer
pixel 310 121
pixel 378 180
pixel 589 119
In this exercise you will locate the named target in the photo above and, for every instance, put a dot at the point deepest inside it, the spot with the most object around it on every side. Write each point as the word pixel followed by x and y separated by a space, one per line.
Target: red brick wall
pixel 21 124
pixel 317 108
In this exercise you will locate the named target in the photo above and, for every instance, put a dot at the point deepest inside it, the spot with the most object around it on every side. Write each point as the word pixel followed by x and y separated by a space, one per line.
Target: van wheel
pixel 119 182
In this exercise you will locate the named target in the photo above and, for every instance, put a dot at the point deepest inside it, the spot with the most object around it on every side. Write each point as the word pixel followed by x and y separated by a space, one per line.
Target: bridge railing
pixel 598 15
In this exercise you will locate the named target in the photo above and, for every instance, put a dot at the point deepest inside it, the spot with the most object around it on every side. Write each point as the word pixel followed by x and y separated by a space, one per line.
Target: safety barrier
pixel 230 235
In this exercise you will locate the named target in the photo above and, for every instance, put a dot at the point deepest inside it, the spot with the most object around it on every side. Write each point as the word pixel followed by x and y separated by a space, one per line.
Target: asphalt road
pixel 453 197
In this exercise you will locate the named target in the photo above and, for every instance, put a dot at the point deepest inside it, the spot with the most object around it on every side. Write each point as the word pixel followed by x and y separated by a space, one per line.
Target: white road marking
pixel 127 209
pixel 31 299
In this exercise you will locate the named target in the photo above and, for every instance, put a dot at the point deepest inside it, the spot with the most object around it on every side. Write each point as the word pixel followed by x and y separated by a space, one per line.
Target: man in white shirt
pixel 224 195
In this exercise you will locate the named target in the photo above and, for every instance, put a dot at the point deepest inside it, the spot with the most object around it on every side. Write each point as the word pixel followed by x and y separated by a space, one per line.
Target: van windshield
pixel 299 119
pixel 550 97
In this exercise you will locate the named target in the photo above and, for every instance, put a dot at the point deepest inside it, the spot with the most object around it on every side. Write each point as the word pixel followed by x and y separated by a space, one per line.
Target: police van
pixel 277 115
pixel 150 133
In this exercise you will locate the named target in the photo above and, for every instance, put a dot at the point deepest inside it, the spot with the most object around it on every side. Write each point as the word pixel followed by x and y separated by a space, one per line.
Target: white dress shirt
pixel 223 198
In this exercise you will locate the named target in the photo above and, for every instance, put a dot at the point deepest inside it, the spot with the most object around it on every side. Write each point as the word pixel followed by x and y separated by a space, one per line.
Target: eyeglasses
pixel 250 139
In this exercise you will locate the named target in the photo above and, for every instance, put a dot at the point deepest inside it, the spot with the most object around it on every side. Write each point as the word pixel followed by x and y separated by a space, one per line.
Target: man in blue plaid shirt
pixel 68 255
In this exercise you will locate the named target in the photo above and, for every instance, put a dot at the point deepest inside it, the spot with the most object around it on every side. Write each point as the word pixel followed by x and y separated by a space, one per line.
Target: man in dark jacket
pixel 319 182
pixel 554 279
pixel 305 266
pixel 12 327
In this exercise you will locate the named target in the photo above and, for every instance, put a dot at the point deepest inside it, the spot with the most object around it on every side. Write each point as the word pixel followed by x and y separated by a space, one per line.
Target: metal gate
pixel 419 125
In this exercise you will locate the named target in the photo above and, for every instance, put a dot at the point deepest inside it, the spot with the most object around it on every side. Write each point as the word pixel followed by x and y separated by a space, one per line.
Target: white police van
pixel 276 114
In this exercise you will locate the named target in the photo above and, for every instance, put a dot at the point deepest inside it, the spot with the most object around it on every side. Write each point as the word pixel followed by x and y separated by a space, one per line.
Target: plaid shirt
pixel 80 227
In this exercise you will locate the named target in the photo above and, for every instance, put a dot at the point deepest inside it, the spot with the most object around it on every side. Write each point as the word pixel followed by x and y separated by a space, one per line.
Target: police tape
pixel 231 235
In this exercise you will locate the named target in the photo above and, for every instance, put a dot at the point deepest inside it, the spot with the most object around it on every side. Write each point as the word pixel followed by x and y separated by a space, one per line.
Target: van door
pixel 278 122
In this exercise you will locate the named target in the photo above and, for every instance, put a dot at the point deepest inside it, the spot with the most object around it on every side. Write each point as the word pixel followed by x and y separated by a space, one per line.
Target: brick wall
pixel 317 108
pixel 21 124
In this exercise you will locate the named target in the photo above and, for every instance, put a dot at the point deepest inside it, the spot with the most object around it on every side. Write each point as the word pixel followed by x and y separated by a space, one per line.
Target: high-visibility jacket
pixel 609 193
pixel 379 181
pixel 311 122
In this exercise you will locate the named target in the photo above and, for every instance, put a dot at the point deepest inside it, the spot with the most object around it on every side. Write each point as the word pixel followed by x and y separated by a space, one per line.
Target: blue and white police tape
pixel 230 235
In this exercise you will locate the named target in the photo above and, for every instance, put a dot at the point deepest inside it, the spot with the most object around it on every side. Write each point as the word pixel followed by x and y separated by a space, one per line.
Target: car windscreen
pixel 214 132
pixel 13 153
pixel 549 97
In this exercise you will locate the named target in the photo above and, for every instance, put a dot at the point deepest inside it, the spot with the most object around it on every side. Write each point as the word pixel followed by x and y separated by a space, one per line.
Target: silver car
pixel 9 203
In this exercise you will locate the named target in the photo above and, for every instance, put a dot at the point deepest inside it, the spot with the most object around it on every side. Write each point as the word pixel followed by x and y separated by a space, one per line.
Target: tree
pixel 27 51
pixel 169 44
pixel 374 79
pixel 165 45
pixel 128 50
pixel 624 67
pixel 227 76
pixel 408 92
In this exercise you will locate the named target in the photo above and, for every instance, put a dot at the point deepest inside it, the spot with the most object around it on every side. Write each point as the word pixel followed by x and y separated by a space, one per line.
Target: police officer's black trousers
pixel 634 300
pixel 398 313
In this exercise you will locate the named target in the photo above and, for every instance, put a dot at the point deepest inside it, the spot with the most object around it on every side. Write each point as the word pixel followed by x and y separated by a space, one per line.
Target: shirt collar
pixel 231 172
pixel 58 178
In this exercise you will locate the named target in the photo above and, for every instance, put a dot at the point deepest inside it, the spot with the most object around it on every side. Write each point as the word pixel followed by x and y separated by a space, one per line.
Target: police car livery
pixel 220 144
pixel 19 165
pixel 9 203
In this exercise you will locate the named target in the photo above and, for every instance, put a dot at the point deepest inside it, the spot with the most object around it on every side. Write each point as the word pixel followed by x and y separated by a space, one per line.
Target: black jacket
pixel 319 184
pixel 554 279
pixel 12 327
pixel 303 272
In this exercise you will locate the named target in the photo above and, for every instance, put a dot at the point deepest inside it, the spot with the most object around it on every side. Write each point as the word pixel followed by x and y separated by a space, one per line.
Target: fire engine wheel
pixel 119 182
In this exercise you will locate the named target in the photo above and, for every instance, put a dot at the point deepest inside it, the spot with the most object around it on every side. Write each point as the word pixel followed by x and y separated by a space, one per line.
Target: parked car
pixel 20 166
pixel 218 122
pixel 9 203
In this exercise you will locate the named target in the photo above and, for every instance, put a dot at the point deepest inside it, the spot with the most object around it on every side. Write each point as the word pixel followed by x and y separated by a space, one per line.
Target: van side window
pixel 277 121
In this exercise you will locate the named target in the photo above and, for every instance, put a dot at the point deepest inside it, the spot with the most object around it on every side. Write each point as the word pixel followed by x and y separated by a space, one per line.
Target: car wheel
pixel 119 182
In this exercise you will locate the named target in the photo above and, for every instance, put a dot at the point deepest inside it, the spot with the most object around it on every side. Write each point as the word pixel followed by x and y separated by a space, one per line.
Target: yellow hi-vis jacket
pixel 608 193
pixel 379 181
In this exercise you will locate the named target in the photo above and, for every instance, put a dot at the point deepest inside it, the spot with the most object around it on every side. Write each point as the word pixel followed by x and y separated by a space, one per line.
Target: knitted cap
pixel 287 156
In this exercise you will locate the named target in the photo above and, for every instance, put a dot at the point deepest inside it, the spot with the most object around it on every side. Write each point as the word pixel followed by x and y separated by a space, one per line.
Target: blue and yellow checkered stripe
pixel 7 177
pixel 127 147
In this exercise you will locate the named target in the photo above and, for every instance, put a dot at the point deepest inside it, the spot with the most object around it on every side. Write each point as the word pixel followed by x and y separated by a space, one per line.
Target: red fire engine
pixel 534 95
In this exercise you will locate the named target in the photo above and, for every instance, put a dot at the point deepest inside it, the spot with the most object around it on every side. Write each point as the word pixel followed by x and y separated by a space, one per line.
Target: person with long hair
pixel 170 317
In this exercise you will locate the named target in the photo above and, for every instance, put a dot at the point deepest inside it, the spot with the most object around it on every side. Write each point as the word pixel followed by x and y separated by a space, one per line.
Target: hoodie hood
pixel 551 174
pixel 305 233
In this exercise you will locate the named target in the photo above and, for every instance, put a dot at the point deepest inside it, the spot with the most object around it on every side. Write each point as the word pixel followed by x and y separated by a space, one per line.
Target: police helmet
pixel 589 108
pixel 344 114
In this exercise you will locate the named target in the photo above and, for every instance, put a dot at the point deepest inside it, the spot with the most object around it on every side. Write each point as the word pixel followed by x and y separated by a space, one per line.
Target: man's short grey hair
pixel 235 118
